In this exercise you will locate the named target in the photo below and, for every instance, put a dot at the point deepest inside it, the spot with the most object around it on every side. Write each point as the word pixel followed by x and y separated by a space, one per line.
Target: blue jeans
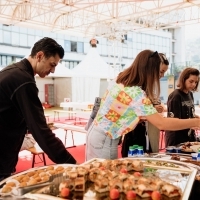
pixel 100 145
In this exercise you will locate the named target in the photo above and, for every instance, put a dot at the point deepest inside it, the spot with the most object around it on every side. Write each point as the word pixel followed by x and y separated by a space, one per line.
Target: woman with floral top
pixel 125 103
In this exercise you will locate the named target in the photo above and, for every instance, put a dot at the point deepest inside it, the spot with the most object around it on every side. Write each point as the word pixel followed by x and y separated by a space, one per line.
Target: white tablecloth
pixel 76 105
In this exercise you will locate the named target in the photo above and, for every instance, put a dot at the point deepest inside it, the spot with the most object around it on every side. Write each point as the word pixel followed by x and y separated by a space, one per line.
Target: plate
pixel 30 174
pixel 195 148
pixel 190 147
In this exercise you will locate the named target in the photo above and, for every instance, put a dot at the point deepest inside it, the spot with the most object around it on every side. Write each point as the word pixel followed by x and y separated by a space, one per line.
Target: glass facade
pixel 132 44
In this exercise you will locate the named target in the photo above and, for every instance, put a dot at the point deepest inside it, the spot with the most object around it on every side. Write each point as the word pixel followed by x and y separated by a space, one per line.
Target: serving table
pixel 185 172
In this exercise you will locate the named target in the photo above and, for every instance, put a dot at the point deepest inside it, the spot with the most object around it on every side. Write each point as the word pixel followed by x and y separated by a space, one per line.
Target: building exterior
pixel 16 42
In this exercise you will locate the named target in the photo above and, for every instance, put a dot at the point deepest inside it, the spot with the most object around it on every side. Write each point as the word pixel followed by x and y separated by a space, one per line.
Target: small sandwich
pixel 127 164
pixel 137 165
pixel 71 174
pixel 170 190
pixel 112 175
pixel 106 164
pixel 66 184
pixel 96 164
pixel 93 174
pixel 144 190
pixel 101 185
pixel 157 183
pixel 116 165
pixel 79 184
pixel 116 184
pixel 129 185
pixel 82 172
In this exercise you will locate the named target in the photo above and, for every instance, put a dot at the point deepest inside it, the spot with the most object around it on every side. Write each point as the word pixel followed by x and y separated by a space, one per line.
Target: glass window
pixel 9 60
pixel 75 63
pixel 134 37
pixel 71 65
pixel 168 42
pixel 1 36
pixel 39 33
pixel 6 27
pixel 15 28
pixel 7 37
pixel 23 30
pixel 134 53
pixel 160 41
pixel 129 45
pixel 156 40
pixel 80 47
pixel 67 46
pixel 4 61
pixel 129 36
pixel 23 39
pixel 139 38
pixel 130 53
pixel 148 39
pixel 31 31
pixel 152 39
pixel 31 40
pixel 73 46
pixel 15 39
pixel 143 38
pixel 125 52
pixel 138 45
pixel 67 64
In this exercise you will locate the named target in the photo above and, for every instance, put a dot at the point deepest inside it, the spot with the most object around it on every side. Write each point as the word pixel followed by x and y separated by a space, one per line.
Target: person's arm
pixel 26 99
pixel 172 124
pixel 146 111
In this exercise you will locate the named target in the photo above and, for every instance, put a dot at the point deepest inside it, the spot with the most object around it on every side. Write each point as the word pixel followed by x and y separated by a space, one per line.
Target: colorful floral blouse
pixel 121 109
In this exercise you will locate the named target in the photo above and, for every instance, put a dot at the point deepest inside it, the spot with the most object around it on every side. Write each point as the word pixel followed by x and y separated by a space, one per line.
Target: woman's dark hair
pixel 143 72
pixel 185 74
pixel 164 58
pixel 49 47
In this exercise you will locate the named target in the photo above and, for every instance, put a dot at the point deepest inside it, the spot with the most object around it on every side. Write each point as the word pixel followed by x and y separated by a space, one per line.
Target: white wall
pixel 62 89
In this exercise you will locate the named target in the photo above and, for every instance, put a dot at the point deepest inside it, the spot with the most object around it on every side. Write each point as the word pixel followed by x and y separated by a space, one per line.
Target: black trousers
pixel 135 137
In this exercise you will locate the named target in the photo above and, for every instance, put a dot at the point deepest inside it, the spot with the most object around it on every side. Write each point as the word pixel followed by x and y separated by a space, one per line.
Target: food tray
pixel 184 168
pixel 187 174
pixel 9 196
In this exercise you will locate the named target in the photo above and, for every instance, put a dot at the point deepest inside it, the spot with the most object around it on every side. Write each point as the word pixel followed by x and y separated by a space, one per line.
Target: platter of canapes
pixel 127 178
pixel 189 147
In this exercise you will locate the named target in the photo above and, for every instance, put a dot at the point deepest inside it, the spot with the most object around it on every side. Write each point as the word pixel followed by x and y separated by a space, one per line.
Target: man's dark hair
pixel 49 46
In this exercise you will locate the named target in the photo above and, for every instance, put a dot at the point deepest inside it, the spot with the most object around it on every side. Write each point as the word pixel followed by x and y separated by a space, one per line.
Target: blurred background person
pixel 180 104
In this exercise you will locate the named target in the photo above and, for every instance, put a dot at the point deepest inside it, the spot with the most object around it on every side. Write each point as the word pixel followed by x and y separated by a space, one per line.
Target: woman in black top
pixel 180 105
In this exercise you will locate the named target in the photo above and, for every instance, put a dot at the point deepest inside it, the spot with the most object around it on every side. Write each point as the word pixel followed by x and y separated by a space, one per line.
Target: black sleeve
pixel 174 105
pixel 26 99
